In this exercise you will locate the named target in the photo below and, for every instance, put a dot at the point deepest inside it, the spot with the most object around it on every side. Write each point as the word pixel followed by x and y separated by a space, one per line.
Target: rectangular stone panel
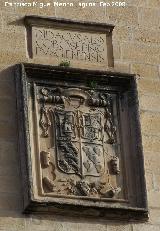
pixel 57 41
pixel 65 44
pixel 74 128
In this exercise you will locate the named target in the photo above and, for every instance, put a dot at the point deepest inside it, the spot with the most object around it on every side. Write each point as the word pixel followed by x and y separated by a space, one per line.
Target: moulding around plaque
pixel 55 40
pixel 80 145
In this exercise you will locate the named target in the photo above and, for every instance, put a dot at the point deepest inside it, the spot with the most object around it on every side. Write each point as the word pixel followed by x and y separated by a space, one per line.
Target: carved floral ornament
pixel 78 142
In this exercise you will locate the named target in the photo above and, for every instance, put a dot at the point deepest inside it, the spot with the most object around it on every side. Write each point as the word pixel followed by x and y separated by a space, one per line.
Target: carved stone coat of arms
pixel 80 129
pixel 80 143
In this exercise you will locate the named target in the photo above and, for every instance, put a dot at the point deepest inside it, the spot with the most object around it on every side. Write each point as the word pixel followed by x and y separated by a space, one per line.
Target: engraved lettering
pixel 71 45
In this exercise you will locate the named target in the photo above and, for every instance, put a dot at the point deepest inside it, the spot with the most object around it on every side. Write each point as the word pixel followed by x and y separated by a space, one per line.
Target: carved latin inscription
pixel 65 44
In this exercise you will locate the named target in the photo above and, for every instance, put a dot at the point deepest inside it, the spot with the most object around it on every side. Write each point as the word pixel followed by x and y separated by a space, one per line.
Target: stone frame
pixel 136 209
pixel 32 21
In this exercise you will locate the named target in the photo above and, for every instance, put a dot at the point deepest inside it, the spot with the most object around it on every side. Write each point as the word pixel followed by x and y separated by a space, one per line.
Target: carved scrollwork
pixel 105 100
pixel 97 102
pixel 109 126
pixel 52 96
pixel 45 121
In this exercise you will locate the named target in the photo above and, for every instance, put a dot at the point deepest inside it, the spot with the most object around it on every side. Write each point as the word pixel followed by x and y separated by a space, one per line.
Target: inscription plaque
pixel 58 40
pixel 73 142
pixel 70 45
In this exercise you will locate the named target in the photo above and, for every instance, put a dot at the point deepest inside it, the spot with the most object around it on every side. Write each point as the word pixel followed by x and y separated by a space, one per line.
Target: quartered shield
pixel 79 137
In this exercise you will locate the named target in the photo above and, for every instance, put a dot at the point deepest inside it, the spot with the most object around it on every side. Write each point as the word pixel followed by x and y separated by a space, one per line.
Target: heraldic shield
pixel 79 137
pixel 82 138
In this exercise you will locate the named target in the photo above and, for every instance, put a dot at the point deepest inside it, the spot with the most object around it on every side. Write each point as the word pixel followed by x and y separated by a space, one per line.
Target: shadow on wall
pixel 10 190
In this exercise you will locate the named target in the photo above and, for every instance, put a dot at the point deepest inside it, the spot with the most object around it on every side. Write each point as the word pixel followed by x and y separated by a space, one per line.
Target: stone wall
pixel 136 42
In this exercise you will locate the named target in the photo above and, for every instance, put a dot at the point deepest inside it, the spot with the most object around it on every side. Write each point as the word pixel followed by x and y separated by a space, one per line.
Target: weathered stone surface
pixel 150 123
pixel 145 227
pixel 7 80
pixel 146 36
pixel 9 159
pixel 150 103
pixel 151 143
pixel 152 162
pixel 121 67
pixel 9 110
pixel 8 152
pixel 10 202
pixel 45 8
pixel 145 71
pixel 7 89
pixel 149 18
pixel 119 227
pixel 13 41
pixel 89 13
pixel 116 51
pixel 12 223
pixel 155 216
pixel 136 3
pixel 156 179
pixel 43 224
pixel 4 8
pixel 153 3
pixel 122 15
pixel 153 198
pixel 149 180
pixel 141 53
pixel 11 57
pixel 12 23
pixel 1 24
pixel 149 87
pixel 10 184
pixel 122 33
pixel 8 130
pixel 10 170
